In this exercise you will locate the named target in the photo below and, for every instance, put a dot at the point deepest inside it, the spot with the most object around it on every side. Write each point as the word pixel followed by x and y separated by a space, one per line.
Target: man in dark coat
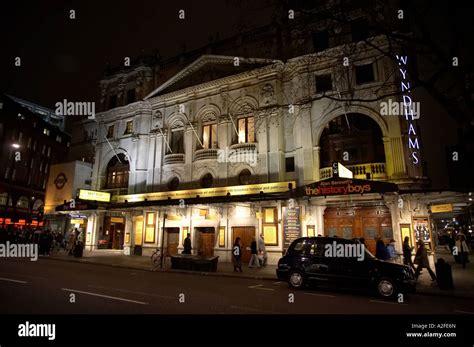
pixel 187 245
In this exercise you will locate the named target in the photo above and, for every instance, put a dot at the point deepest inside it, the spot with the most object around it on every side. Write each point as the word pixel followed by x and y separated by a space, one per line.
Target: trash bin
pixel 444 274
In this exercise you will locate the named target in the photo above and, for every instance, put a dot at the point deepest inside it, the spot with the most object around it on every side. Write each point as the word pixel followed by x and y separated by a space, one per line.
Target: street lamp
pixel 15 145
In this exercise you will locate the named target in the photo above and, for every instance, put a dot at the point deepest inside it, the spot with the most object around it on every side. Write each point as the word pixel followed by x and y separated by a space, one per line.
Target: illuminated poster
pixel 270 235
pixel 291 225
pixel 421 229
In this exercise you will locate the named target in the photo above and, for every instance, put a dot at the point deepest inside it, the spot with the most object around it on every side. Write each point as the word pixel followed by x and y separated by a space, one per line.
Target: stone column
pixel 316 163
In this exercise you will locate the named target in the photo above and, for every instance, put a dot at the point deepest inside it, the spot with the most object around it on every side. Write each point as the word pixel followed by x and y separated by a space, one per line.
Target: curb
pixel 230 275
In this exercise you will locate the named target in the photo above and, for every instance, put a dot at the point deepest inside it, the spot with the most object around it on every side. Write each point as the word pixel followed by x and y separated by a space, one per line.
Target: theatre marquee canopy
pixel 344 186
pixel 251 189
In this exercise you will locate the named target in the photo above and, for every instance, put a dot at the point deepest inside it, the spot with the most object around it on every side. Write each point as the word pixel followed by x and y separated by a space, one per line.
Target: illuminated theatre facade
pixel 250 152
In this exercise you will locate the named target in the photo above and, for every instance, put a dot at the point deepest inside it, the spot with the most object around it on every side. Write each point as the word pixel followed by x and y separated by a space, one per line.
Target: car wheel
pixel 386 288
pixel 296 280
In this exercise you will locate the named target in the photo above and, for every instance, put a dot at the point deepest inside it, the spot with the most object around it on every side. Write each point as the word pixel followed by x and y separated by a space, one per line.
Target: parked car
pixel 307 261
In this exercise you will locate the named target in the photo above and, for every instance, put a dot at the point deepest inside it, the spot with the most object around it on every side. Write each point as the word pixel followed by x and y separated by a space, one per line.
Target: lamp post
pixel 163 240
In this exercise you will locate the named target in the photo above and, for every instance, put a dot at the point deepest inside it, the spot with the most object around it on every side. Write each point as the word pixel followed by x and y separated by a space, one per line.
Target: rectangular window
pixel 323 83
pixel 46 131
pixel 177 141
pixel 150 228
pixel 34 146
pixel 41 167
pixel 364 73
pixel 209 136
pixel 49 152
pixel 290 164
pixel 246 127
pixel 20 137
pixel 43 150
pixel 110 131
pixel 130 96
pixel 320 41
pixel 59 139
pixel 29 142
pixel 129 127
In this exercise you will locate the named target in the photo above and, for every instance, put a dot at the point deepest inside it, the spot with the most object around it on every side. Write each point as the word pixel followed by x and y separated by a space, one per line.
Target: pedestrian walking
pixel 262 252
pixel 421 259
pixel 392 253
pixel 187 245
pixel 254 252
pixel 407 249
pixel 71 242
pixel 462 250
pixel 237 255
pixel 381 251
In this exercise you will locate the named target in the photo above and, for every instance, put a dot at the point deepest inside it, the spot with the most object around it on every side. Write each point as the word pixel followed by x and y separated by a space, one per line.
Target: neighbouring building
pixel 31 140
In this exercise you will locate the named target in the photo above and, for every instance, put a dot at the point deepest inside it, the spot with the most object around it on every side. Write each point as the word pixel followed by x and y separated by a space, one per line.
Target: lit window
pixel 49 152
pixel 110 131
pixel 209 136
pixel 246 127
pixel 46 131
pixel 59 139
pixel 44 149
pixel 29 142
pixel 129 128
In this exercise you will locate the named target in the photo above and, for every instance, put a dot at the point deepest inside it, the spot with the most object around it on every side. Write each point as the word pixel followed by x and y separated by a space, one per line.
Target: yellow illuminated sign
pixel 77 221
pixel 441 208
pixel 250 189
pixel 94 195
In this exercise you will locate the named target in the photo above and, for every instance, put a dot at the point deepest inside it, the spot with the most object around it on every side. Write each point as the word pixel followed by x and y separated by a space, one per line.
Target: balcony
pixel 376 170
pixel 243 152
pixel 202 154
pixel 174 158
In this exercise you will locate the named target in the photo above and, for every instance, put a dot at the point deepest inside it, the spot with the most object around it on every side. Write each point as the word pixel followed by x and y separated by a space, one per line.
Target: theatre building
pixel 220 150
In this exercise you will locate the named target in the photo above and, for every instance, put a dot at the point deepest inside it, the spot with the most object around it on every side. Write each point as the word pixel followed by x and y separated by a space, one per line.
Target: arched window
pixel 354 139
pixel 176 141
pixel 117 172
pixel 206 180
pixel 173 184
pixel 244 177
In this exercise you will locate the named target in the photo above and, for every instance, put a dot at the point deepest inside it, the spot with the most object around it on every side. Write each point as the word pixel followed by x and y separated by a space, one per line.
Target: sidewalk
pixel 463 279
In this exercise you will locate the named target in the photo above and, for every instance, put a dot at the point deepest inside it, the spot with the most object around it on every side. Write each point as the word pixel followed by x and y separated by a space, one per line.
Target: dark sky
pixel 64 59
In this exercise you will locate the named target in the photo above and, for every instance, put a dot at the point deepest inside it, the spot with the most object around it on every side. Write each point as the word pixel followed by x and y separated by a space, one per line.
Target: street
pixel 59 287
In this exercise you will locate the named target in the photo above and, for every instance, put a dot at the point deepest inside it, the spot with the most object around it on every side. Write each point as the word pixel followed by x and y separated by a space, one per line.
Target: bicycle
pixel 156 259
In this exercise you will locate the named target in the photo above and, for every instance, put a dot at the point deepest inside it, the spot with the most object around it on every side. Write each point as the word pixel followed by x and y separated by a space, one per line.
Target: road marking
pixel 326 295
pixel 250 309
pixel 104 296
pixel 21 275
pixel 386 302
pixel 464 312
pixel 10 280
pixel 132 292
pixel 259 286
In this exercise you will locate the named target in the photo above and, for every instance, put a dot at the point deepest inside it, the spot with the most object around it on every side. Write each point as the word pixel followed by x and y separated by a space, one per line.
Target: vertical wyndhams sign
pixel 410 115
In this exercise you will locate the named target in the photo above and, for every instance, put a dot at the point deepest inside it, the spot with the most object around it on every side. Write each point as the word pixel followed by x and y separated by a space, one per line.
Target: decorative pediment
pixel 209 68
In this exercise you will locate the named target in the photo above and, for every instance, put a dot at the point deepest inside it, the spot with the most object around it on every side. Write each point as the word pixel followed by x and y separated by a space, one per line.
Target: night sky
pixel 64 59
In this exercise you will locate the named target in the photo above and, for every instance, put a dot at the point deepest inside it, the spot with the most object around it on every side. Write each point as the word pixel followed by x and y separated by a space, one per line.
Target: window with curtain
pixel 209 136
pixel 246 130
